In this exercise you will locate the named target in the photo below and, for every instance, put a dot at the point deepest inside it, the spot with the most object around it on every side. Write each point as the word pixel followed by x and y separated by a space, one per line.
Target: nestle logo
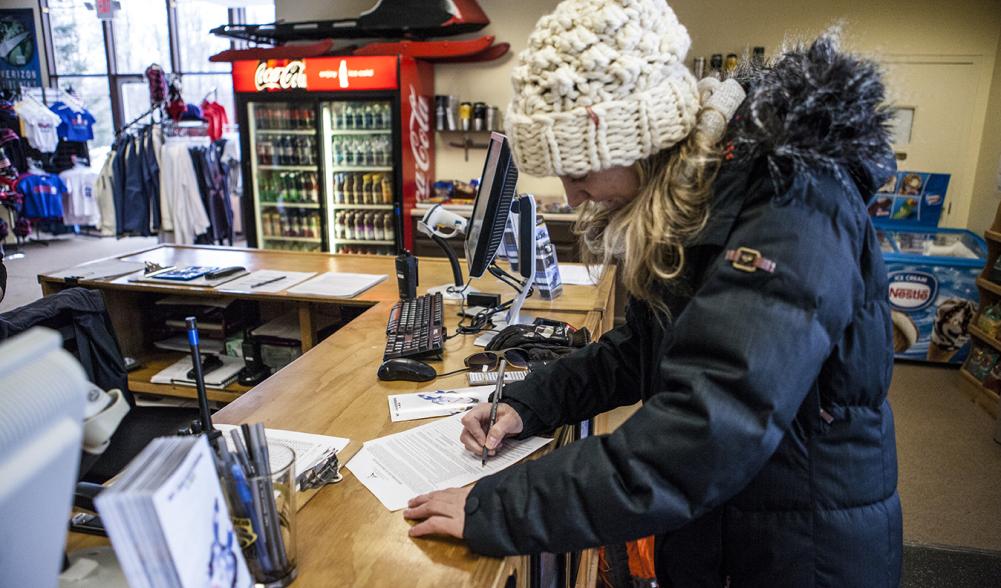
pixel 287 77
pixel 911 291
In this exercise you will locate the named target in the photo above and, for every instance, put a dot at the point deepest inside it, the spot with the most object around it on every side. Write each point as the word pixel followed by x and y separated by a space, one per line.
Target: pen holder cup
pixel 271 554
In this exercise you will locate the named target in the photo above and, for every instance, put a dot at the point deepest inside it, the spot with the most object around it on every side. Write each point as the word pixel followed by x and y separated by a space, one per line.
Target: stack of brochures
pixel 168 520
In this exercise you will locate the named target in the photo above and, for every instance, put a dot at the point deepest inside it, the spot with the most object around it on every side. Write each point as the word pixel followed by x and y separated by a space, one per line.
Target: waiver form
pixel 398 467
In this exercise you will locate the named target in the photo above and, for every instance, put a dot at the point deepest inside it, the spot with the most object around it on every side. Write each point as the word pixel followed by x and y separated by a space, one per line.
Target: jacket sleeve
pixel 746 351
pixel 591 380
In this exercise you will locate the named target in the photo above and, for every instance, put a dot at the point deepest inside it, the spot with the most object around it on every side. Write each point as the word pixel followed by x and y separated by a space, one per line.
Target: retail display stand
pixel 990 294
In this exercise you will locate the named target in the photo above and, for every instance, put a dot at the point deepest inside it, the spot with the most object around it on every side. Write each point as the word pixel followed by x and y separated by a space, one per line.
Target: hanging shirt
pixel 215 115
pixel 104 194
pixel 80 205
pixel 180 200
pixel 43 196
pixel 40 125
pixel 74 125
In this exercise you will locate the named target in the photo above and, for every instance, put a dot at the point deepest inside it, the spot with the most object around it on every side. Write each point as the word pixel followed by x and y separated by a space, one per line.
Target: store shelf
pixel 294 239
pixel 993 236
pixel 289 167
pixel 350 132
pixel 363 168
pixel 139 380
pixel 289 205
pixel 984 337
pixel 285 131
pixel 362 207
pixel 361 242
pixel 989 286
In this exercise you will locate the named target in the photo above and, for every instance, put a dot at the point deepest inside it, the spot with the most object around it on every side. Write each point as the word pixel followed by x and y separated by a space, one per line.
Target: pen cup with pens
pixel 265 507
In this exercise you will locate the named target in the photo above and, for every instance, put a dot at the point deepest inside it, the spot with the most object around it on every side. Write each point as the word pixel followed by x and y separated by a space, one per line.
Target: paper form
pixel 285 281
pixel 309 448
pixel 111 268
pixel 579 275
pixel 430 457
pixel 338 285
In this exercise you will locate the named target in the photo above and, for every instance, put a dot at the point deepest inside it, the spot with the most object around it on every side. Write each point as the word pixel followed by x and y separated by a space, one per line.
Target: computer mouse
pixel 410 370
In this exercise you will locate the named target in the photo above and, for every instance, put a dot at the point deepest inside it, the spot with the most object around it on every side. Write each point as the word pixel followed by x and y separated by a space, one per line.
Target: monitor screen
pixel 492 205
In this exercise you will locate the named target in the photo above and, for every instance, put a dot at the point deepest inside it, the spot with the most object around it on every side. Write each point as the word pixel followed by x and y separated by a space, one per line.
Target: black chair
pixel 81 317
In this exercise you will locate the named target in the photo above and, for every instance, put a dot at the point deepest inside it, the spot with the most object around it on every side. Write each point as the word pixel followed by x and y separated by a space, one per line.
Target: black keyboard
pixel 415 328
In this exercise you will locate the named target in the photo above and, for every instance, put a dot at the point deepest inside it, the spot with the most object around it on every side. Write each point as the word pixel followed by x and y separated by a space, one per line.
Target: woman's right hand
pixel 475 422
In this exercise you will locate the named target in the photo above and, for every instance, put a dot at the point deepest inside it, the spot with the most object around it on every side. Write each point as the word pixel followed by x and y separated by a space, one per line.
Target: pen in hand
pixel 493 406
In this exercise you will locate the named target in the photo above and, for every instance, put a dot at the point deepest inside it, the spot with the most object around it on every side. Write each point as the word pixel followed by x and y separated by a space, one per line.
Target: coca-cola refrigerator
pixel 338 151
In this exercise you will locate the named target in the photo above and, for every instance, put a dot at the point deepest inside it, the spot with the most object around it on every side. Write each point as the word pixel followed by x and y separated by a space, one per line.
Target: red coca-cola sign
pixel 318 74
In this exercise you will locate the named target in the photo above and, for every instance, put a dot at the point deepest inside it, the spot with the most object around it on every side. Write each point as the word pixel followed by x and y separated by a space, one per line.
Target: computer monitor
pixel 42 396
pixel 492 206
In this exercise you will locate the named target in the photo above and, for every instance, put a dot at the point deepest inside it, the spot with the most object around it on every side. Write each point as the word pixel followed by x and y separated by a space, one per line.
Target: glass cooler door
pixel 286 180
pixel 359 175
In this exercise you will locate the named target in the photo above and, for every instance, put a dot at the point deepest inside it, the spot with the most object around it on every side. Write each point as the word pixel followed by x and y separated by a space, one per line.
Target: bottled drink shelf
pixel 364 168
pixel 289 204
pixel 361 132
pixel 296 239
pixel 361 242
pixel 285 131
pixel 290 167
pixel 363 207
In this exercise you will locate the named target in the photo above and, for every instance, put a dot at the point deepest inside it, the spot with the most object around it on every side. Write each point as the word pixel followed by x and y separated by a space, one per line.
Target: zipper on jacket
pixel 826 416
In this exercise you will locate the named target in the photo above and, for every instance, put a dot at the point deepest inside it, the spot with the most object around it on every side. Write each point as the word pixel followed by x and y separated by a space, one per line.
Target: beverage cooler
pixel 340 150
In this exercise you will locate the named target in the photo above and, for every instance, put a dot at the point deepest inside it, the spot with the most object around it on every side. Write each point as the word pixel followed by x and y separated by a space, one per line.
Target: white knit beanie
pixel 602 84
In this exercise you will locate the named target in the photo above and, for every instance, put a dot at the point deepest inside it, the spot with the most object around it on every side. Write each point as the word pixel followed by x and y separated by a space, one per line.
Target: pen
pixel 266 282
pixel 493 405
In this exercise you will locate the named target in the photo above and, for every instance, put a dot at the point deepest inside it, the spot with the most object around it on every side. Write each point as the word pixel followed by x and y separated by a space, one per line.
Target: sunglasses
pixel 487 361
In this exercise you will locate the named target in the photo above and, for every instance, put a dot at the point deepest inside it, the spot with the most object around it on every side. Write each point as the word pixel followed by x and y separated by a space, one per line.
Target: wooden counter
pixel 345 536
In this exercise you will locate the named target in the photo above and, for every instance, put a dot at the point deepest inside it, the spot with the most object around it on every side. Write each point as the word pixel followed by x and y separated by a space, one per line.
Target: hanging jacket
pixel 81 317
pixel 764 451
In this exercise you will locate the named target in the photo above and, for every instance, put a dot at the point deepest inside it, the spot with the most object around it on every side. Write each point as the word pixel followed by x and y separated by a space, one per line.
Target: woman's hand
pixel 441 513
pixel 475 422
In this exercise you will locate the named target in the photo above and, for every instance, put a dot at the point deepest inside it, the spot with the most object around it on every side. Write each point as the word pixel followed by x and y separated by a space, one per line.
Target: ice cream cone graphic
pixel 905 333
pixel 951 329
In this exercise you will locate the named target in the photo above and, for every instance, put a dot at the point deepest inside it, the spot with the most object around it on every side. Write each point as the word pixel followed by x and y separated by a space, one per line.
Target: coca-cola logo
pixel 290 76
pixel 420 142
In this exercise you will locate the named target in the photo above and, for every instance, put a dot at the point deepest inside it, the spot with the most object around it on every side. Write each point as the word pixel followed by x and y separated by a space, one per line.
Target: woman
pixel 758 335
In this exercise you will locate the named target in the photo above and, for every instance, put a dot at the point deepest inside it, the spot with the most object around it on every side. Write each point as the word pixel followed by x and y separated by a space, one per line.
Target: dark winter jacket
pixel 764 452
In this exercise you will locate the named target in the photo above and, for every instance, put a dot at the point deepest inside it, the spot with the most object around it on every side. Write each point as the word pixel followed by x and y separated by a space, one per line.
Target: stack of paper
pixel 111 268
pixel 177 373
pixel 168 520
pixel 266 281
pixel 430 457
pixel 309 449
pixel 337 285
pixel 580 274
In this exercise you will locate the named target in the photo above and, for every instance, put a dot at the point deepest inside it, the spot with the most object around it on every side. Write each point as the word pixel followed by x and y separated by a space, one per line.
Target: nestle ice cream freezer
pixel 932 272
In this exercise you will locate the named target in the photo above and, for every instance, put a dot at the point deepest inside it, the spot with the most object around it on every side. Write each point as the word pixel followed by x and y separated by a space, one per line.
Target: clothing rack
pixel 153 110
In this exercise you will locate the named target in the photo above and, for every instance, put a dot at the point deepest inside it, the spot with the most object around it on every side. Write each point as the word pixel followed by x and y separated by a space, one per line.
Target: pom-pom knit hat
pixel 602 84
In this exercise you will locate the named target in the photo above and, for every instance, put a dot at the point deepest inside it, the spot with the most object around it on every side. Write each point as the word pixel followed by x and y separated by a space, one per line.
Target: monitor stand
pixel 514 316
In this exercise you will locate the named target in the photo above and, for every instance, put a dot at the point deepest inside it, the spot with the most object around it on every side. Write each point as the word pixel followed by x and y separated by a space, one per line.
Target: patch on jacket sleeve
pixel 749 260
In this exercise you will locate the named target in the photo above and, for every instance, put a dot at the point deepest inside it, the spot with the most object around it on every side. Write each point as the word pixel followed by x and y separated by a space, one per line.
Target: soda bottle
pixel 338 189
pixel 378 120
pixel 378 228
pixel 349 116
pixel 314 225
pixel 308 151
pixel 370 226
pixel 386 189
pixel 368 119
pixel 359 117
pixel 387 226
pixel 290 155
pixel 351 189
pixel 359 226
pixel 366 189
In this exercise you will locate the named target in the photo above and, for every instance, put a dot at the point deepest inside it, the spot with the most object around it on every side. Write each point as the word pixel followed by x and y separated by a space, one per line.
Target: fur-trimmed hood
pixel 812 108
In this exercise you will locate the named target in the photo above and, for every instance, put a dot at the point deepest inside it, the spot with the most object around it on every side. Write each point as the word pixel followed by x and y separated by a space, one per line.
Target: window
pixel 172 33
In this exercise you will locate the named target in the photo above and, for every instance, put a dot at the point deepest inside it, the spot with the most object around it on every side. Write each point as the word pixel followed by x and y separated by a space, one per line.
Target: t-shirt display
pixel 80 206
pixel 43 196
pixel 39 124
pixel 77 124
